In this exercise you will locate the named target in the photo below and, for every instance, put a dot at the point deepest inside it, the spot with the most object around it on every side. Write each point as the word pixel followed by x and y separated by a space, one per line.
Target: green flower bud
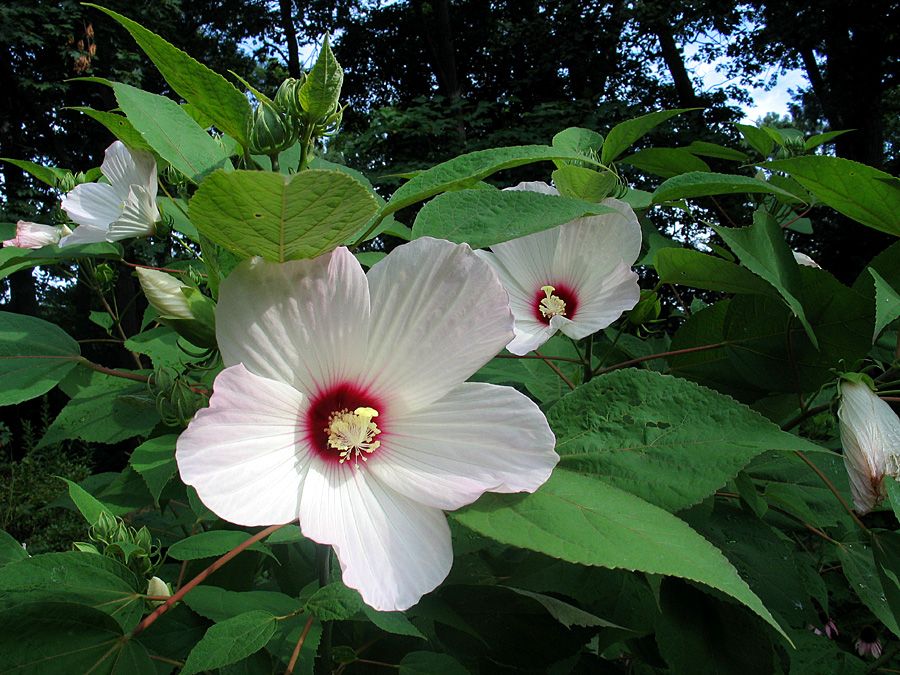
pixel 105 275
pixel 67 181
pixel 271 130
pixel 647 309
pixel 181 307
pixel 160 588
pixel 287 98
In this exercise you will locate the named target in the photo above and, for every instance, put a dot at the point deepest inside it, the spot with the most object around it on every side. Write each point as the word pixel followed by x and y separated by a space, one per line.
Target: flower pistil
pixel 552 305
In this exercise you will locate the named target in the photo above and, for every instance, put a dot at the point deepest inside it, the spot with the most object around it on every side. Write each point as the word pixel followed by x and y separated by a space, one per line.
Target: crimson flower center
pixel 554 300
pixel 341 424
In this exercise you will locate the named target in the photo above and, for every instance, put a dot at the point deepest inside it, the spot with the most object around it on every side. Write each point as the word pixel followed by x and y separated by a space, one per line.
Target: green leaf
pixel 46 174
pixel 718 151
pixel 281 218
pixel 120 127
pixel 585 142
pixel 171 132
pixel 621 136
pixel 819 655
pixel 429 663
pixel 208 91
pixel 664 439
pixel 108 410
pixel 819 139
pixel 856 190
pixel 334 602
pixel 13 259
pixel 89 506
pixel 699 184
pixel 73 576
pixel 762 249
pixel 467 170
pixel 212 544
pixel 858 565
pixel 230 641
pixel 579 182
pixel 887 303
pixel 665 162
pixel 155 461
pixel 699 634
pixel 39 638
pixel 10 549
pixel 34 357
pixel 701 270
pixel 320 91
pixel 568 615
pixel 392 622
pixel 481 218
pixel 757 139
pixel 768 347
pixel 584 520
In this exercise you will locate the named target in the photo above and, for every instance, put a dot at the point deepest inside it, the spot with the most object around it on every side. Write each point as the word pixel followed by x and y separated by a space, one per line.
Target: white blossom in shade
pixel 575 278
pixel 803 259
pixel 343 405
pixel 870 436
pixel 164 294
pixel 123 208
pixel 36 235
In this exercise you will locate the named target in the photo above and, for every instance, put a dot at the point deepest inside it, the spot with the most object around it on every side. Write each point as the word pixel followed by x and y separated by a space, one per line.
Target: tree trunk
pixel 290 36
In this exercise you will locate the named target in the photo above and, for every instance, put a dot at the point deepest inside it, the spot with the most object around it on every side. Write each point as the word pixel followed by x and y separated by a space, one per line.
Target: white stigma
pixel 552 305
pixel 352 434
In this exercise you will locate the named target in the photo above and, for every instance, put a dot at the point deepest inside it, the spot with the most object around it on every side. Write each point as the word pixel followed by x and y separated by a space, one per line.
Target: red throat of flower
pixel 555 299
pixel 342 424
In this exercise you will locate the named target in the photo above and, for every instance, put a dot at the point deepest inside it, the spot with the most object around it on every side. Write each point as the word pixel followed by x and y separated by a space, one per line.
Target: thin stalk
pixel 323 565
pixel 832 488
pixel 556 370
pixel 588 368
pixel 661 355
pixel 296 653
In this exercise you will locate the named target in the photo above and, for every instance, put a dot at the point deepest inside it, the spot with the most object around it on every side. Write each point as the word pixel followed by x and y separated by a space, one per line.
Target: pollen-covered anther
pixel 351 433
pixel 552 305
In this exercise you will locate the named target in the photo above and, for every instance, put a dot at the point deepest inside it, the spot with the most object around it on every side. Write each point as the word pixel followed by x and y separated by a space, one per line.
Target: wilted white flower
pixel 344 406
pixel 575 278
pixel 123 208
pixel 36 235
pixel 803 259
pixel 870 436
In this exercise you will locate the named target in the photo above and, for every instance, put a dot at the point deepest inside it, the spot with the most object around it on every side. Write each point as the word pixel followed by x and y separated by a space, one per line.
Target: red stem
pixel 295 655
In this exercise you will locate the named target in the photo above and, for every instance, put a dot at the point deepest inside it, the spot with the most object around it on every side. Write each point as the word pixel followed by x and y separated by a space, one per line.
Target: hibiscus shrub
pixel 486 450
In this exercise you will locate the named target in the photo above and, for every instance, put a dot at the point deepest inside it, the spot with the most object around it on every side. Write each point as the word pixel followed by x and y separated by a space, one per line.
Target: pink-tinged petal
pixel 138 217
pixel 535 186
pixel 124 168
pixel 84 234
pixel 478 438
pixel 93 204
pixel 246 454
pixel 439 313
pixel 602 300
pixel 530 335
pixel 391 549
pixel 34 235
pixel 305 322
pixel 594 246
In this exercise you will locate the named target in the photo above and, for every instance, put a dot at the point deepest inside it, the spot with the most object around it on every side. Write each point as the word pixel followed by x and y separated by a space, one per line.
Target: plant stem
pixel 661 355
pixel 323 565
pixel 296 652
pixel 159 611
pixel 556 370
pixel 832 488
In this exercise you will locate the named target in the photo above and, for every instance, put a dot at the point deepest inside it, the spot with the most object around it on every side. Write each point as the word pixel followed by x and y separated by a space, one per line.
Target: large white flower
pixel 123 208
pixel 870 436
pixel 344 405
pixel 36 235
pixel 575 278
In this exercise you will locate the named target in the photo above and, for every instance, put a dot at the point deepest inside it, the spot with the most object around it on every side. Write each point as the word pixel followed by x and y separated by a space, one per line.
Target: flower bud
pixel 271 130
pixel 160 588
pixel 181 307
pixel 870 436
pixel 35 235
pixel 287 98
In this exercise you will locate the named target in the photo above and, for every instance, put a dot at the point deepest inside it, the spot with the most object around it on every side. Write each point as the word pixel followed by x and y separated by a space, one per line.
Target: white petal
pixel 535 186
pixel 439 313
pixel 478 438
pixel 246 455
pixel 870 436
pixel 530 335
pixel 391 549
pixel 34 235
pixel 305 323
pixel 94 204
pixel 124 168
pixel 138 218
pixel 85 234
pixel 601 300
pixel 529 260
pixel 594 246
